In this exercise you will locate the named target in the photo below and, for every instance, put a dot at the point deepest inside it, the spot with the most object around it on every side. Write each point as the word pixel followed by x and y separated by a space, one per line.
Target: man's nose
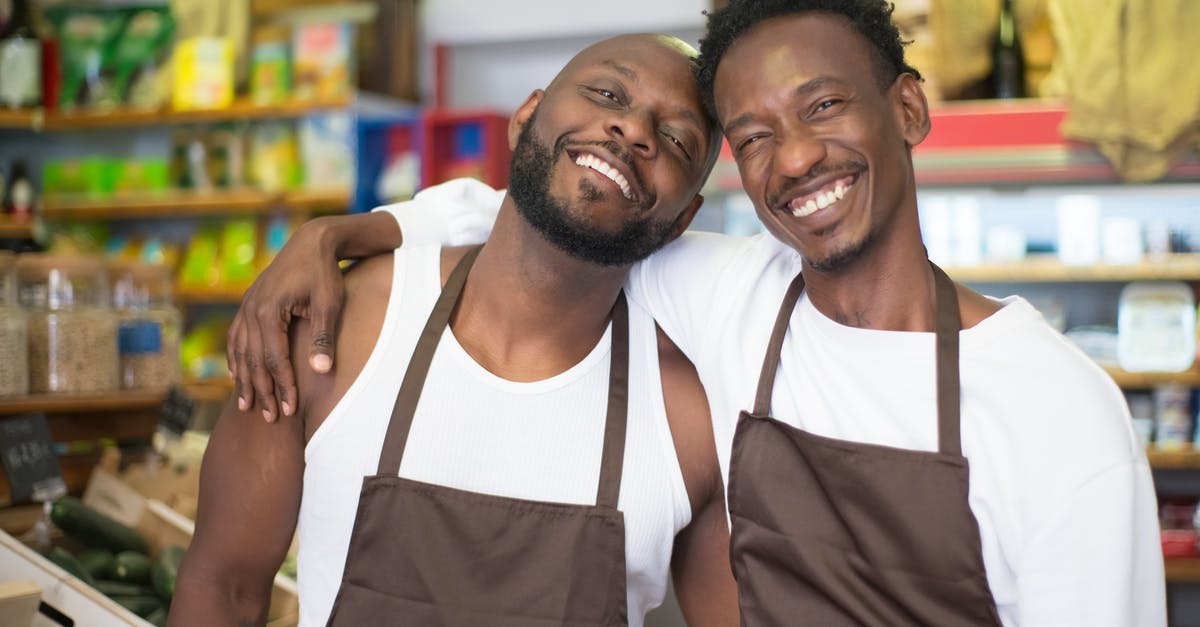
pixel 635 130
pixel 797 152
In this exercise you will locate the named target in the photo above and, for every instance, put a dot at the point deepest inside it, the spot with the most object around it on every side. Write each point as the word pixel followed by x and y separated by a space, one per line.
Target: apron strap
pixel 613 456
pixel 766 378
pixel 948 324
pixel 418 367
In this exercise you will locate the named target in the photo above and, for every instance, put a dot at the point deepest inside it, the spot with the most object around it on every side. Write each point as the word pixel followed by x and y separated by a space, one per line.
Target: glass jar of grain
pixel 72 329
pixel 14 332
pixel 148 325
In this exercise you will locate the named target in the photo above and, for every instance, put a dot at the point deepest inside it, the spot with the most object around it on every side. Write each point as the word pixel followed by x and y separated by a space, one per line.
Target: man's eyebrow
pixel 621 69
pixel 802 90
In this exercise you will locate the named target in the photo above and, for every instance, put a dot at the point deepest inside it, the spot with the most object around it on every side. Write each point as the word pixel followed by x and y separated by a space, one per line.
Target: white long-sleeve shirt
pixel 1059 485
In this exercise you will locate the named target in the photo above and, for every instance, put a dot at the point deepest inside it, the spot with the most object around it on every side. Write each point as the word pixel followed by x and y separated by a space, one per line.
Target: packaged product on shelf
pixel 225 150
pixel 88 176
pixel 326 149
pixel 203 74
pixel 189 159
pixel 148 330
pixel 138 54
pixel 203 349
pixel 270 72
pixel 1173 418
pixel 239 240
pixel 19 197
pixel 1156 327
pixel 274 164
pixel 14 336
pixel 322 61
pixel 85 37
pixel 72 330
pixel 20 59
pixel 200 268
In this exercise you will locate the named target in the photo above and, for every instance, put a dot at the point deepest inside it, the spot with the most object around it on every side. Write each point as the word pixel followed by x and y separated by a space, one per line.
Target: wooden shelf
pixel 242 109
pixel 1138 380
pixel 1184 459
pixel 1047 268
pixel 198 204
pixel 1182 569
pixel 212 390
pixel 16 229
pixel 113 401
pixel 209 296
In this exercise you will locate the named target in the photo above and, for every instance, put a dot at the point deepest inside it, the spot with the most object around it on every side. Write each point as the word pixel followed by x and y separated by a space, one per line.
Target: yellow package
pixel 203 74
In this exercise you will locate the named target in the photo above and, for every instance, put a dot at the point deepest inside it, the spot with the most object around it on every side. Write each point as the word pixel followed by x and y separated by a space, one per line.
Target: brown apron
pixel 828 532
pixel 428 555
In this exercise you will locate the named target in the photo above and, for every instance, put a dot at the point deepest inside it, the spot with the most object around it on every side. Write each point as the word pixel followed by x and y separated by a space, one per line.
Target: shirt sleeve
pixel 680 285
pixel 455 213
pixel 1097 561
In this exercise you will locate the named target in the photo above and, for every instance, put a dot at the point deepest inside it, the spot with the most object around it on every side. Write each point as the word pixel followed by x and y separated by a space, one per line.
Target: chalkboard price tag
pixel 176 413
pixel 29 459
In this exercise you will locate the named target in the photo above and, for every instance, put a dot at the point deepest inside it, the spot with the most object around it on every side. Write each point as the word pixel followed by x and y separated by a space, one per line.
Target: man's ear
pixel 912 110
pixel 521 116
pixel 685 218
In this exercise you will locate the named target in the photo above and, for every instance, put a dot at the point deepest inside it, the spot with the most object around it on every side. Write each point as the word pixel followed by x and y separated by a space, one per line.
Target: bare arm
pixel 700 567
pixel 303 281
pixel 250 487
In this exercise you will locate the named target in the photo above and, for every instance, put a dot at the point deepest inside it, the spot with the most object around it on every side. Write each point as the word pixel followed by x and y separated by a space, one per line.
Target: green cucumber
pixel 98 562
pixel 164 571
pixel 67 562
pixel 158 618
pixel 143 604
pixel 132 567
pixel 93 528
pixel 122 589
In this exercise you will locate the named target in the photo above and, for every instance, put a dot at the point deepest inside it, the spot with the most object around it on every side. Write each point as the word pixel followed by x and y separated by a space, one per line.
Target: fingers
pixel 277 361
pixel 238 344
pixel 326 310
pixel 255 360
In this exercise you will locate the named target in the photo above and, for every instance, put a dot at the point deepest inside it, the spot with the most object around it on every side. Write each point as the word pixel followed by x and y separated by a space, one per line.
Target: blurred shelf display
pixel 1145 380
pixel 213 389
pixel 243 109
pixel 125 400
pixel 198 203
pixel 1182 569
pixel 1186 459
pixel 15 229
pixel 1048 268
pixel 209 296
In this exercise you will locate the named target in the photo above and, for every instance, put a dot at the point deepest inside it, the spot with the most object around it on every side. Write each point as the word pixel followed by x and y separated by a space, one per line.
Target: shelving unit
pixel 197 204
pixel 42 120
pixel 209 296
pixel 1048 269
pixel 16 229
pixel 113 401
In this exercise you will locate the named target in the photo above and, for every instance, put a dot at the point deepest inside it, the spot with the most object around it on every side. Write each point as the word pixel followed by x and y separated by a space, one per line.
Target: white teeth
pixel 822 201
pixel 839 191
pixel 597 164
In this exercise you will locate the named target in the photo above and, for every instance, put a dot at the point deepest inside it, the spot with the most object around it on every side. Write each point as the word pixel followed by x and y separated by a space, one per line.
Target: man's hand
pixel 303 281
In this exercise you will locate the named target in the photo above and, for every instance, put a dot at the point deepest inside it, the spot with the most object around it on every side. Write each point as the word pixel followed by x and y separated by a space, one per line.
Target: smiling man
pixel 898 449
pixel 530 449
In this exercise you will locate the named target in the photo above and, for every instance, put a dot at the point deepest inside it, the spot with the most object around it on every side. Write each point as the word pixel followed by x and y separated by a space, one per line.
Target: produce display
pixel 116 560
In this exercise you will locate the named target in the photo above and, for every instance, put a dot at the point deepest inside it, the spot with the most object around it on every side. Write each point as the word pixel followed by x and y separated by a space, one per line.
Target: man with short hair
pixel 898 449
pixel 530 449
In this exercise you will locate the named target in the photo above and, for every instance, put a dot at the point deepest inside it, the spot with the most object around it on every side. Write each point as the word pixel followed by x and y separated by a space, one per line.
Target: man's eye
pixel 749 140
pixel 679 144
pixel 605 93
pixel 825 104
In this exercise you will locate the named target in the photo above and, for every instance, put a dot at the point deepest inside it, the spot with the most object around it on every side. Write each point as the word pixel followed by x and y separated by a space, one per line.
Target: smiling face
pixel 822 148
pixel 609 160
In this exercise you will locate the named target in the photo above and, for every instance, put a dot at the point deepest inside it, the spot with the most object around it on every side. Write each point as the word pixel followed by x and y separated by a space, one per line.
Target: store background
pixel 1003 195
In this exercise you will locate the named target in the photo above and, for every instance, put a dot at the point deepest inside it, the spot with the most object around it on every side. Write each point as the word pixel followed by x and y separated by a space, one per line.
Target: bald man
pixel 505 440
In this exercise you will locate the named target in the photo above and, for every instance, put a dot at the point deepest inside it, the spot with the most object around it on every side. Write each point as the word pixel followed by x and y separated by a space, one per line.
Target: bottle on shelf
pixel 20 59
pixel 18 199
pixel 1008 61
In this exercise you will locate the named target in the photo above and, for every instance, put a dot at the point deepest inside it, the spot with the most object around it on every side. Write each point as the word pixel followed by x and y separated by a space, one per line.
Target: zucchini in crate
pixel 93 528
pixel 67 562
pixel 132 567
pixel 98 562
pixel 165 569
pixel 143 604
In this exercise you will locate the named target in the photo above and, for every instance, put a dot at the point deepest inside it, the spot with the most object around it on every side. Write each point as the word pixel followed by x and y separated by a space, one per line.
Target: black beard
pixel 529 185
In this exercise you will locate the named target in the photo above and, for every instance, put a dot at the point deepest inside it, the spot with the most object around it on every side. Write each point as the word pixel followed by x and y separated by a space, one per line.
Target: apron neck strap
pixel 948 324
pixel 418 367
pixel 405 408
pixel 766 377
pixel 613 456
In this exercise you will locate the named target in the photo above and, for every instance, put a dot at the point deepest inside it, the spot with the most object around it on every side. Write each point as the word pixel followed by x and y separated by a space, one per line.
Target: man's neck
pixel 529 310
pixel 889 288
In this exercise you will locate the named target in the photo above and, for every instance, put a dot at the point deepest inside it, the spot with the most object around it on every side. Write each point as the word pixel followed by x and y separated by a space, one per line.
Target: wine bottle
pixel 20 59
pixel 1008 62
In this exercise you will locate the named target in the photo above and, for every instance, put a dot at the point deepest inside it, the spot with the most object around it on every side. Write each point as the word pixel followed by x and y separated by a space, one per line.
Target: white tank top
pixel 475 431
